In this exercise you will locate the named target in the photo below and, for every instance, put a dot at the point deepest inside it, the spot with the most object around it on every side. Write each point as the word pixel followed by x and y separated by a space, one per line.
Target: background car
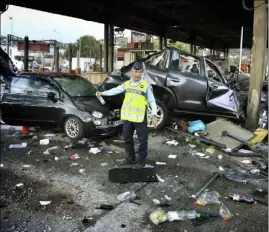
pixel 60 100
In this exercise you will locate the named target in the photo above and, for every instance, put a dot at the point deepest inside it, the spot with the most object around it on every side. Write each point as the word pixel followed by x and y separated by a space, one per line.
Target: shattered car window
pixel 19 85
pixel 185 63
pixel 76 86
pixel 159 60
pixel 213 72
pixel 39 87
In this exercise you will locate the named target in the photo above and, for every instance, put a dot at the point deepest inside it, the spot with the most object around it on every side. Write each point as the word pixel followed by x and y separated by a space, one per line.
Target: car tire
pixel 73 128
pixel 263 116
pixel 163 112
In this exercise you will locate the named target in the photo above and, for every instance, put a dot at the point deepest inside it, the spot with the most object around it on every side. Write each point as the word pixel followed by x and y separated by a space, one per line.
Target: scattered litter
pixel 22 145
pixel 94 150
pixel 29 152
pixel 56 158
pixel 122 225
pixel 103 164
pixel 160 163
pixel 241 198
pixel 74 157
pixel 148 166
pixel 127 196
pixel 117 152
pixel 176 176
pixel 1 165
pixel 50 135
pixel 172 156
pixel 205 157
pixel 159 178
pixel 225 212
pixel 156 201
pixel 106 207
pixel 234 175
pixel 73 164
pixel 246 161
pixel 221 168
pixel 44 141
pixel 82 171
pixel 158 216
pixel 68 146
pixel 197 125
pixel 47 152
pixel 210 150
pixel 26 166
pixel 168 198
pixel 199 154
pixel 118 141
pixel 44 202
pixel 220 156
pixel 208 198
pixel 173 142
pixel 86 220
pixel 182 215
pixel 19 185
pixel 228 149
pixel 110 152
pixel 82 142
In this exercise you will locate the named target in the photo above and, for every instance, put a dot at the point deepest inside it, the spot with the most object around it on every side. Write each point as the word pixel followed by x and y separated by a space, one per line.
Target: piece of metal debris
pixel 47 152
pixel 159 178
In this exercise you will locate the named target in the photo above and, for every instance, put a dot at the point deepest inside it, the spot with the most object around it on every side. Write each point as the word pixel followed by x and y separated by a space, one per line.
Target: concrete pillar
pixel 56 59
pixel 70 58
pixel 106 47
pixel 111 49
pixel 258 62
pixel 26 53
pixel 165 41
pixel 101 56
pixel 160 42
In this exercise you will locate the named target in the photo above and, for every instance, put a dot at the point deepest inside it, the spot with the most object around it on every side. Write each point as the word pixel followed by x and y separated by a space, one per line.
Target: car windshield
pixel 76 86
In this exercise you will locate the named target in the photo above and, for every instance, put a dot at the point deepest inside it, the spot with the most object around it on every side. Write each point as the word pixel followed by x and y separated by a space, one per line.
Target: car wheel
pixel 73 128
pixel 162 113
pixel 263 116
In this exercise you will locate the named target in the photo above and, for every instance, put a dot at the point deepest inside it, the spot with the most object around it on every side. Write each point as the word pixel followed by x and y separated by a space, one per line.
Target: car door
pixel 46 110
pixel 185 78
pixel 220 98
pixel 14 100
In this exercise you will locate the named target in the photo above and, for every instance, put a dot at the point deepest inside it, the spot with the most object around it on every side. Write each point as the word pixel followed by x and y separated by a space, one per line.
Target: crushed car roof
pixel 50 74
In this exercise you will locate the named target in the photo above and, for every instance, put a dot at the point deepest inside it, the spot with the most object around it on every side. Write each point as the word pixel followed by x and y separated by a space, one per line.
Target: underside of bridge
pixel 207 23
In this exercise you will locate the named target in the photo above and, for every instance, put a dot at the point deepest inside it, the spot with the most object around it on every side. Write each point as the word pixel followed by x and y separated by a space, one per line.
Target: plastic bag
pixel 197 125
pixel 225 212
pixel 233 175
pixel 158 216
pixel 208 198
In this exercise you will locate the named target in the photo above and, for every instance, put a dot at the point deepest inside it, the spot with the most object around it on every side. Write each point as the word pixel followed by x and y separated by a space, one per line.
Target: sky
pixel 40 25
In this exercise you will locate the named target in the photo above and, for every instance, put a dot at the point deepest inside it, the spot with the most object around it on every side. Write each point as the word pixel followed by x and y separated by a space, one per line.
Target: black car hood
pixel 91 104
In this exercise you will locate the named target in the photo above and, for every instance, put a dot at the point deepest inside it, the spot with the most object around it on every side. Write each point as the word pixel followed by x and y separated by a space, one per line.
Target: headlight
pixel 97 114
pixel 97 122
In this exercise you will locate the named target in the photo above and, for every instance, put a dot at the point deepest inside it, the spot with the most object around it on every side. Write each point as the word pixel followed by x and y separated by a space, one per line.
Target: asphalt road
pixel 76 195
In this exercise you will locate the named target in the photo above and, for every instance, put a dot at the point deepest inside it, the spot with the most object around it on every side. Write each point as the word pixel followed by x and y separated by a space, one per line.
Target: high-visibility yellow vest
pixel 135 102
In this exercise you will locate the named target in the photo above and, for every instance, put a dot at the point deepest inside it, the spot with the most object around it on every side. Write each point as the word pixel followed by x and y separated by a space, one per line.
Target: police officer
pixel 138 95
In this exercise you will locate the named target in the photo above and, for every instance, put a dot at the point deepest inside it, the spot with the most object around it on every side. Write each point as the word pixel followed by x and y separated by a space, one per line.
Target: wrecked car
pixel 59 100
pixel 182 83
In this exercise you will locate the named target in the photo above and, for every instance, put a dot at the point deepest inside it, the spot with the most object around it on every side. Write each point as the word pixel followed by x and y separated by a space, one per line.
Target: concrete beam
pixel 106 47
pixel 258 62
pixel 26 53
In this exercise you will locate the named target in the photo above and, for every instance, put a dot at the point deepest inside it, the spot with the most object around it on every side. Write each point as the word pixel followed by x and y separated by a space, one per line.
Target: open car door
pixel 220 98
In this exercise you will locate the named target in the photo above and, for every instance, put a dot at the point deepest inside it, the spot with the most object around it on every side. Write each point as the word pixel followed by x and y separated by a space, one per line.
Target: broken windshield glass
pixel 76 86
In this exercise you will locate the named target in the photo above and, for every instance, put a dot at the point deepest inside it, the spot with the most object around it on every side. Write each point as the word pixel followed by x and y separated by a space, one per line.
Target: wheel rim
pixel 160 116
pixel 263 119
pixel 72 128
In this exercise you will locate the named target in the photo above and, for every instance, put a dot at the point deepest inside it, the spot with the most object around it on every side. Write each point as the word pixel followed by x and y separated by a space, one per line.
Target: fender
pixel 164 94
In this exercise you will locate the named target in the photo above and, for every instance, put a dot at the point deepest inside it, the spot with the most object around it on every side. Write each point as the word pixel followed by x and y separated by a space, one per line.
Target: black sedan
pixel 59 100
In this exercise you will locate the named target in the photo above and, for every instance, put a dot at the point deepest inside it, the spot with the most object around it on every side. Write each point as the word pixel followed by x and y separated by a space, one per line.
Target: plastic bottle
pixel 241 198
pixel 182 215
pixel 101 99
pixel 127 196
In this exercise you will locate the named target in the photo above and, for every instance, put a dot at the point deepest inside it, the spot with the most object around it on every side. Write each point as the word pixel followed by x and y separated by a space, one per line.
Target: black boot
pixel 140 163
pixel 129 160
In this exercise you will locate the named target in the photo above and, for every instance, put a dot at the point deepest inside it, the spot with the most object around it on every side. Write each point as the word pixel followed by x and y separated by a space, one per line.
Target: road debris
pixel 82 171
pixel 172 156
pixel 105 207
pixel 156 201
pixel 172 142
pixel 127 196
pixel 148 166
pixel 44 141
pixel 1 165
pixel 29 152
pixel 159 178
pixel 158 216
pixel 22 145
pixel 241 198
pixel 50 135
pixel 44 202
pixel 168 198
pixel 68 146
pixel 94 150
pixel 47 152
pixel 225 212
pixel 220 156
pixel 104 164
pixel 160 163
pixel 26 166
pixel 195 126
pixel 19 185
pixel 208 198
pixel 56 158
pixel 182 215
pixel 73 164
pixel 74 157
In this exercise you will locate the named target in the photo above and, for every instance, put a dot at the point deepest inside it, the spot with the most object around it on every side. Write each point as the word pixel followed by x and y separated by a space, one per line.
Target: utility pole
pixel 258 62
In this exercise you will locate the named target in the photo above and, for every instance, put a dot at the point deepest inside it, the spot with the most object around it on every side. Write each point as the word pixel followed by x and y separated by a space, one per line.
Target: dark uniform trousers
pixel 142 134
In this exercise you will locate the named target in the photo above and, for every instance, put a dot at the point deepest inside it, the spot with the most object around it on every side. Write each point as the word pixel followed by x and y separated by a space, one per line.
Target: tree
pixel 90 47
pixel 73 48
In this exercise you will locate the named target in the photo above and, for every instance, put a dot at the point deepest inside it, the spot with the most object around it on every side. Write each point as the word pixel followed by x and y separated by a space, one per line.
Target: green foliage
pixel 73 49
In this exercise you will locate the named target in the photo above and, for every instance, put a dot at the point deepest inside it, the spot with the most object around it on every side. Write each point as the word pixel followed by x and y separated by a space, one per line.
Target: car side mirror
pixel 51 96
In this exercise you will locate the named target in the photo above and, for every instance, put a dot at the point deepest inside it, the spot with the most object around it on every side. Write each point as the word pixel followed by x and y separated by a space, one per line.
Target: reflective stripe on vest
pixel 134 104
